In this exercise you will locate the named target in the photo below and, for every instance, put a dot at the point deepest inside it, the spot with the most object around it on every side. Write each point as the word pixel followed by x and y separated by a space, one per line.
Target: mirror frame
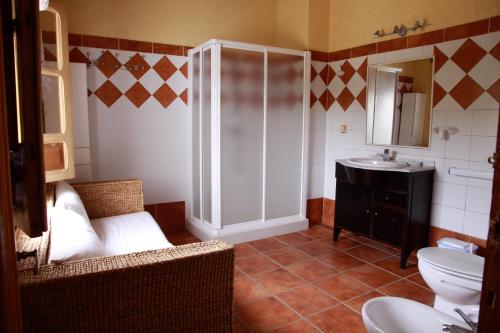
pixel 370 113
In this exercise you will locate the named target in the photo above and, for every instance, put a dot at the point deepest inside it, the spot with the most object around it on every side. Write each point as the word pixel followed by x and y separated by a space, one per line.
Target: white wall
pixel 150 142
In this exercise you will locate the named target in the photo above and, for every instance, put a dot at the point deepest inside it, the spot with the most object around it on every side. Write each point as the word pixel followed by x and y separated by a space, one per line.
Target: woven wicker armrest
pixel 182 289
pixel 111 198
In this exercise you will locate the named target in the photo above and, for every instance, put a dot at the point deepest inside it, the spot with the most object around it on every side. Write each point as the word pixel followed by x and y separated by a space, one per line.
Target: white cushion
pixel 72 237
pixel 129 233
pixel 66 197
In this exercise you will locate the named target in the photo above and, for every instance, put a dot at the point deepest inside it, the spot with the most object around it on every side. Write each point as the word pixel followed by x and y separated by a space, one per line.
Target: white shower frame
pixel 256 229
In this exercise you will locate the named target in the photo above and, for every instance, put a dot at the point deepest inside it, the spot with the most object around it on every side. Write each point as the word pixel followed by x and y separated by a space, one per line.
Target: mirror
pixel 51 104
pixel 399 103
pixel 48 27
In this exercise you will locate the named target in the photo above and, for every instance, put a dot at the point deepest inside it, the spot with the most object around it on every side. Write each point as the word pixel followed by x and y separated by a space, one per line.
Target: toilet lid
pixel 455 261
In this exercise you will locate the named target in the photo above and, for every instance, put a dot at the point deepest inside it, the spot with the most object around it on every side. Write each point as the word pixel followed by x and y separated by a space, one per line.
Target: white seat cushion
pixel 72 237
pixel 129 233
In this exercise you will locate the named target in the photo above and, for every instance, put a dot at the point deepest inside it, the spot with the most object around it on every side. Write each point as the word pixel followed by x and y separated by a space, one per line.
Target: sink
pixel 394 314
pixel 377 163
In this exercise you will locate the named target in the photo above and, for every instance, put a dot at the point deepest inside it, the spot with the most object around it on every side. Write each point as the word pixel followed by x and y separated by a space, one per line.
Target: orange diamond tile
pixel 363 70
pixel 468 55
pixel 438 95
pixel 76 55
pixel 466 91
pixel 137 66
pixel 108 64
pixel 184 70
pixel 361 98
pixel 325 75
pixel 108 93
pixel 184 96
pixel 345 98
pixel 313 73
pixel 137 94
pixel 312 99
pixel 48 56
pixel 348 72
pixel 494 90
pixel 496 52
pixel 165 68
pixel 165 95
pixel 326 99
pixel 439 59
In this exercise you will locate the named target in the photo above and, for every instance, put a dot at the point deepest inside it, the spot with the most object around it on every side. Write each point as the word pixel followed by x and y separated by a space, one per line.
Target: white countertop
pixel 409 168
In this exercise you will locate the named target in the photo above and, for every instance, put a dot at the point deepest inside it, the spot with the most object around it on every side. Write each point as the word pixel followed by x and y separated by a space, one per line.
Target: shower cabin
pixel 249 107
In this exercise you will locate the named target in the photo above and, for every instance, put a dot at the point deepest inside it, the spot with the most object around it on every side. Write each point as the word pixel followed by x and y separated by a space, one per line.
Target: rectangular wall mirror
pixel 399 103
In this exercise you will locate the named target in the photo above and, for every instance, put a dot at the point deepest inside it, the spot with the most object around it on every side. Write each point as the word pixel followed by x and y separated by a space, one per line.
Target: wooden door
pixel 489 315
pixel 10 314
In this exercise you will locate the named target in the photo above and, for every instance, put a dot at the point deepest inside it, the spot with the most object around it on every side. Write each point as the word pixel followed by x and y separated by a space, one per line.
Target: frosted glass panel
pixel 206 116
pixel 196 134
pixel 242 99
pixel 284 135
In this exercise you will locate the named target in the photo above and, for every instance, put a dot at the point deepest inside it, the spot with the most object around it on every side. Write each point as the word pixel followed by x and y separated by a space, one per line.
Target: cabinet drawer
pixel 390 199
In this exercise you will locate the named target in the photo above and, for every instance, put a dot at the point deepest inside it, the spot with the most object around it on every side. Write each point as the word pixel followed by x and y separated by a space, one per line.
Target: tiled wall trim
pixel 427 38
pixel 127 45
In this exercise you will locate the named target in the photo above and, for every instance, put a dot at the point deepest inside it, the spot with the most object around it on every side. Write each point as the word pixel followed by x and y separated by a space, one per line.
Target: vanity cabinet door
pixel 354 207
pixel 388 225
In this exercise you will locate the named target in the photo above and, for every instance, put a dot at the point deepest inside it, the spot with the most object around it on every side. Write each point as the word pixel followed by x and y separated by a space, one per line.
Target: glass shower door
pixel 284 130
pixel 241 133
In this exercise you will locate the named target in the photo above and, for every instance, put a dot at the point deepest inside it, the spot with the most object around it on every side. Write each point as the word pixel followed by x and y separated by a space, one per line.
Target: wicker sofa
pixel 186 288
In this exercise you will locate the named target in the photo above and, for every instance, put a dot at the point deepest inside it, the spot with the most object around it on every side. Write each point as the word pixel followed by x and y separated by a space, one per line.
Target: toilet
pixel 455 277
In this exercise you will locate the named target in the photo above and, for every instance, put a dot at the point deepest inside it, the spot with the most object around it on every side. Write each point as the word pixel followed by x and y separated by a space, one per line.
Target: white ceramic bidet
pixel 400 315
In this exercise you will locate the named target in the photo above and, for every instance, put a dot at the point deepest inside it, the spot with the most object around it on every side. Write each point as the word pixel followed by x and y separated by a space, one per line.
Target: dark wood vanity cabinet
pixel 389 206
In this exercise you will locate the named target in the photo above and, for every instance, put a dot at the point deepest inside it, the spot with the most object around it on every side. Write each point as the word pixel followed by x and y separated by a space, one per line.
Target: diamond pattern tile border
pixel 464 73
pixel 109 66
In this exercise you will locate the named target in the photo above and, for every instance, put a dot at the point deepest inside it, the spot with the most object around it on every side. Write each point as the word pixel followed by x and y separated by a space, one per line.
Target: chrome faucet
pixel 386 156
pixel 457 329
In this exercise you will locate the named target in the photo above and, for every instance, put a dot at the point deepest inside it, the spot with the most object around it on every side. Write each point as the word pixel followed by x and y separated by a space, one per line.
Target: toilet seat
pixel 460 264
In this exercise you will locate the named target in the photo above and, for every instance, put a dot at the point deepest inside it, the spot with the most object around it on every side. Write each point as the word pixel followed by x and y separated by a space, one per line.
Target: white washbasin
pixel 401 315
pixel 377 163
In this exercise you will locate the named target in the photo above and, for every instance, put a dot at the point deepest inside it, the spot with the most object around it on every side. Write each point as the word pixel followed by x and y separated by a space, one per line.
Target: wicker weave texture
pixel 183 289
pixel 187 288
pixel 111 198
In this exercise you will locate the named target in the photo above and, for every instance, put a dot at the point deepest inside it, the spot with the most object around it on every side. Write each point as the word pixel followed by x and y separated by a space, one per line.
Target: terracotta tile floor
pixel 303 282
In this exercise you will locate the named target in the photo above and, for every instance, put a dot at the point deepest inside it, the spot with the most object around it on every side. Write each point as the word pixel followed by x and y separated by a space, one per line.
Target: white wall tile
pixel 315 190
pixel 478 199
pixel 484 122
pixel 437 193
pixel 454 195
pixel 476 224
pixel 329 190
pixel 461 120
pixel 457 147
pixel 482 147
pixel 451 218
